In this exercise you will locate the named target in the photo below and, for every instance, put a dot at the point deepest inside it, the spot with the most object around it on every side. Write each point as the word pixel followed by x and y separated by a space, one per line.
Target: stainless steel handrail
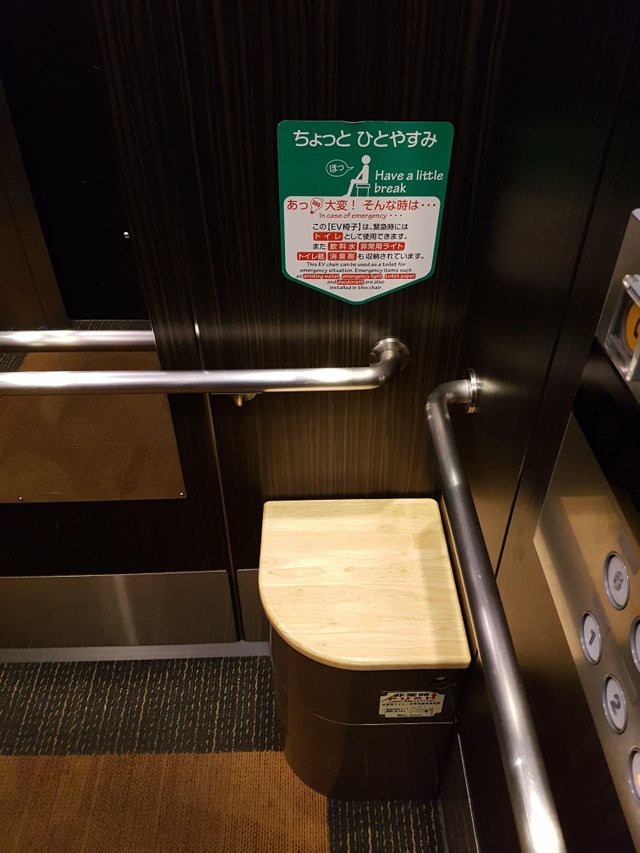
pixel 533 806
pixel 83 340
pixel 388 357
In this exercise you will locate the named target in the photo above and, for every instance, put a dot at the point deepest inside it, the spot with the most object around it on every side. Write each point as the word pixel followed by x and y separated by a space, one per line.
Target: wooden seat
pixel 362 584
pixel 368 643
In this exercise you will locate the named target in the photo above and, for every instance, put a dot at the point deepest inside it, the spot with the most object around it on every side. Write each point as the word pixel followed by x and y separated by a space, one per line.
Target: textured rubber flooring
pixel 171 755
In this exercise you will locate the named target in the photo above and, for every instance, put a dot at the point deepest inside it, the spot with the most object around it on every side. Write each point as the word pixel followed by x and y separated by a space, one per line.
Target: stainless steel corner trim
pixel 78 340
pixel 533 806
pixel 388 357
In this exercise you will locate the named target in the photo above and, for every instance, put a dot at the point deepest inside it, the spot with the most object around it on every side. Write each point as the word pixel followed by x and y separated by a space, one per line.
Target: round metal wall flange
pixel 472 406
pixel 394 344
pixel 241 399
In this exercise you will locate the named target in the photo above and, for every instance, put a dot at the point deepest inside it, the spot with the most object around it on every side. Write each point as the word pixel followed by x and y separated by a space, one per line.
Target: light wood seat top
pixel 362 584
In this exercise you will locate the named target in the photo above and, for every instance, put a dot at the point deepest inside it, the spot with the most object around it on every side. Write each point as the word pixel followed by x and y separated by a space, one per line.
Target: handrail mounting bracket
pixel 393 345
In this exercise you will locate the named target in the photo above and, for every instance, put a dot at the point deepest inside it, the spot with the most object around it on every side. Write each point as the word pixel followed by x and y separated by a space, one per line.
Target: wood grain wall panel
pixel 197 90
pixel 153 136
pixel 29 297
pixel 104 537
pixel 50 68
pixel 101 537
pixel 561 83
pixel 587 802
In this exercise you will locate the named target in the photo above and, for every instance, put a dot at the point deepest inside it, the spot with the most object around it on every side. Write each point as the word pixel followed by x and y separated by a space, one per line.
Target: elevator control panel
pixel 619 326
pixel 591 560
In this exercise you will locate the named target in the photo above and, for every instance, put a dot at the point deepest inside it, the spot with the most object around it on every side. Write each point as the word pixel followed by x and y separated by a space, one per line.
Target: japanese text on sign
pixel 363 222
pixel 364 138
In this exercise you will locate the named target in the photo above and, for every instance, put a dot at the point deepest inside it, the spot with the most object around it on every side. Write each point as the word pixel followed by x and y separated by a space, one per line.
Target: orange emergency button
pixel 632 326
pixel 634 773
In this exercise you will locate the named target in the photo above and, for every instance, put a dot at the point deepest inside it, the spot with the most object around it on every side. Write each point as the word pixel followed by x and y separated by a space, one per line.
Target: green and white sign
pixel 361 203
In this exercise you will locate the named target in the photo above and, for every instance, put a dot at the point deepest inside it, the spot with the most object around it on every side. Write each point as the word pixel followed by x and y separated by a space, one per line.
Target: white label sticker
pixel 411 704
pixel 360 247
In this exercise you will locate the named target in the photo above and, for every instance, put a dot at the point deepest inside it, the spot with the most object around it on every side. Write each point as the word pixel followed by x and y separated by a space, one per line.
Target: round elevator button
pixel 591 638
pixel 616 581
pixel 615 704
pixel 634 772
pixel 635 642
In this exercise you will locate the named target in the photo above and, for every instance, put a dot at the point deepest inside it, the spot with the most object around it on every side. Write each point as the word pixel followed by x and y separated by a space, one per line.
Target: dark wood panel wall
pixel 566 179
pixel 197 90
pixel 51 72
pixel 48 67
pixel 29 296
pixel 560 88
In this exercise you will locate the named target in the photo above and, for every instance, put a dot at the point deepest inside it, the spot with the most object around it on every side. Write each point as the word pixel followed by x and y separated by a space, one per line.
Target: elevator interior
pixel 139 170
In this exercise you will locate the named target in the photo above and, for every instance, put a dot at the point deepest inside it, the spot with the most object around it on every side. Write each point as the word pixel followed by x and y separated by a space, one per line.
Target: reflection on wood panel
pixel 88 447
pixel 196 92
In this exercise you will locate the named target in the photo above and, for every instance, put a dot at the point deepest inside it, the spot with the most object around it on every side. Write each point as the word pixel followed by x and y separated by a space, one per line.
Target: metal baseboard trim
pixel 456 807
pixel 146 610
pixel 95 653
